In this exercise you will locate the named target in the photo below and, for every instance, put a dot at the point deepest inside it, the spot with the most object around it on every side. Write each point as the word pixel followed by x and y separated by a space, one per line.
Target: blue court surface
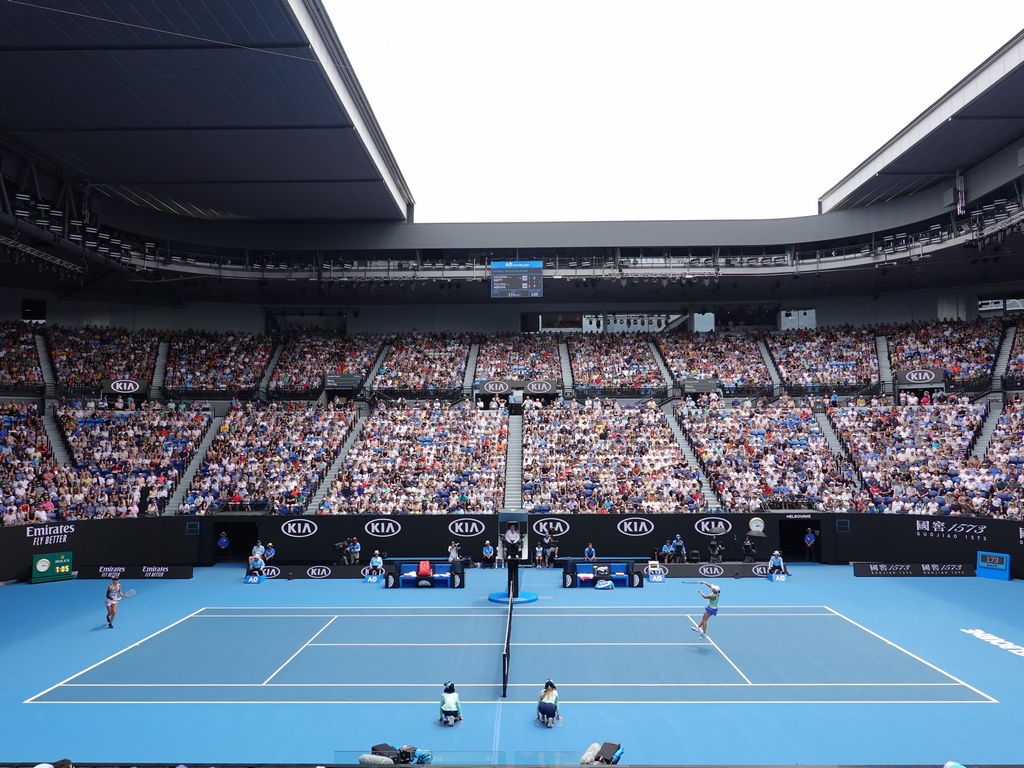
pixel 822 669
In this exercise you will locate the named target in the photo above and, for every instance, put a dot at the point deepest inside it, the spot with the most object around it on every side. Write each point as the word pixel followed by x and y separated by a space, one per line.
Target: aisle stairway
pixel 691 457
pixel 884 370
pixel 185 480
pixel 666 374
pixel 514 465
pixel 368 385
pixel 46 366
pixel 469 377
pixel 57 444
pixel 265 381
pixel 1003 358
pixel 362 412
pixel 988 426
pixel 772 370
pixel 160 371
pixel 567 381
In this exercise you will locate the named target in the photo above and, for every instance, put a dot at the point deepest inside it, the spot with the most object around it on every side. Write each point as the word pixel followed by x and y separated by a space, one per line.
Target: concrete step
pixel 470 376
pixel 46 366
pixel 514 464
pixel 265 381
pixel 61 454
pixel 160 371
pixel 988 427
pixel 884 369
pixel 773 371
pixel 999 369
pixel 193 466
pixel 666 374
pixel 567 381
pixel 362 412
pixel 691 458
pixel 368 386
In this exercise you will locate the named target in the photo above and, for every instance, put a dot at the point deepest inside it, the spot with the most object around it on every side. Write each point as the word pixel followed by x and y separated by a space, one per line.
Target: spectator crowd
pixel 825 357
pixel 964 350
pixel 602 457
pixel 616 361
pixel 307 357
pixel 268 457
pixel 19 358
pixel 424 458
pixel 83 357
pixel 519 356
pixel 733 359
pixel 208 361
pixel 424 361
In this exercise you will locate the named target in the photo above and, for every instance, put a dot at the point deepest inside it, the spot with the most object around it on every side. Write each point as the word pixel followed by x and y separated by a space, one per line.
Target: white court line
pixel 314 637
pixel 406 702
pixel 464 607
pixel 104 661
pixel 476 645
pixel 489 615
pixel 913 656
pixel 514 685
pixel 723 654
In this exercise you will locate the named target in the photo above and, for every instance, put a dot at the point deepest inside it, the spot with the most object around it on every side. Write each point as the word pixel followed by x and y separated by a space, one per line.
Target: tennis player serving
pixel 711 609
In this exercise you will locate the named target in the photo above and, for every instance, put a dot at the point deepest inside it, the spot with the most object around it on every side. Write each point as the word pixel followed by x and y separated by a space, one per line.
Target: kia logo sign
pixel 759 570
pixel 554 526
pixel 368 569
pixel 495 387
pixel 712 526
pixel 124 386
pixel 271 571
pixel 383 528
pixel 298 529
pixel 920 376
pixel 635 526
pixel 466 526
pixel 711 570
pixel 539 387
pixel 318 572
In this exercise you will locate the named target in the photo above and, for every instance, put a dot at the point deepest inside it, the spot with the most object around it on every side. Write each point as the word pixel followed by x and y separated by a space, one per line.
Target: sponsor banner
pixel 913 569
pixel 920 378
pixel 125 387
pixel 533 388
pixel 706 571
pixel 135 571
pixel 999 642
pixel 311 539
pixel 317 571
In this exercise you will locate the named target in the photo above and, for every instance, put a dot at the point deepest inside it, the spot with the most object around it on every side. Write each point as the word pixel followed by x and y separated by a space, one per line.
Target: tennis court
pixel 314 671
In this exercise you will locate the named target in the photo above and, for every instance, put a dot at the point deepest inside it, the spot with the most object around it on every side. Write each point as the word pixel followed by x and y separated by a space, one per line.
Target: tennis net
pixel 506 652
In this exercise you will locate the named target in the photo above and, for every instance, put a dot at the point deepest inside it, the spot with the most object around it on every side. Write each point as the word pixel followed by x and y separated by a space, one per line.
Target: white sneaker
pixel 551 722
pixel 695 629
pixel 451 721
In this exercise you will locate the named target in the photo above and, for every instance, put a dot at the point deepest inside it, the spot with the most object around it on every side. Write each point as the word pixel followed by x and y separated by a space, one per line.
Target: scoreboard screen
pixel 517 279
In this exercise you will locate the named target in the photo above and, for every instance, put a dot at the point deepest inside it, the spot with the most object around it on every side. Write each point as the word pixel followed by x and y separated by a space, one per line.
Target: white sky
pixel 569 110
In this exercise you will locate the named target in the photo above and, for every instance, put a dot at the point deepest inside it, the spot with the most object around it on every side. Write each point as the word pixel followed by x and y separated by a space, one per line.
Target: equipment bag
pixel 604 584
pixel 610 753
pixel 602 571
pixel 414 755
pixel 424 569
pixel 385 750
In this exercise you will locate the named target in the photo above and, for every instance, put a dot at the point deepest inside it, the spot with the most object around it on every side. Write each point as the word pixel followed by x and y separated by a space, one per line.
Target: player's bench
pixel 404 573
pixel 621 573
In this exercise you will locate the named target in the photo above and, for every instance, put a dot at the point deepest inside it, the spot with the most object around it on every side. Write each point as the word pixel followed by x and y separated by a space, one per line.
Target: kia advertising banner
pixel 921 378
pixel 125 387
pixel 312 539
pixel 640 536
pixel 504 386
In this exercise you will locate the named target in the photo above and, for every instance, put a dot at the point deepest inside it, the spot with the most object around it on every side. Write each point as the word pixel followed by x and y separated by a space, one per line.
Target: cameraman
pixel 550 550
pixel 343 548
pixel 749 550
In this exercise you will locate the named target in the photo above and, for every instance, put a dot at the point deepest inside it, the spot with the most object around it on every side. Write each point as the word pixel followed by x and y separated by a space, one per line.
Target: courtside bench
pixel 622 573
pixel 402 573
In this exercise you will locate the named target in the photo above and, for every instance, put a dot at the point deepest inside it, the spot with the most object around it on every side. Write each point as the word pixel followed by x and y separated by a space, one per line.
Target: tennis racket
pixel 129 593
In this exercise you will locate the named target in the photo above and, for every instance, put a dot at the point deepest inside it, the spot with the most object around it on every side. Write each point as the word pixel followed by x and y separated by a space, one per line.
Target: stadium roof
pixel 240 110
pixel 978 117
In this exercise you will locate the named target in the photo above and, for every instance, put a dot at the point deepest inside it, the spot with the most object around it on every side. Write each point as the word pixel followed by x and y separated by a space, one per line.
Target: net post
pixel 513 577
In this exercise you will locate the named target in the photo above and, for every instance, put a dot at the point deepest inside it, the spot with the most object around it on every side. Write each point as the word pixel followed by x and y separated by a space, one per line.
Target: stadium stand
pixel 732 359
pixel 308 356
pixel 423 458
pixel 83 357
pixel 19 358
pixel 25 460
pixel 602 457
pixel 614 364
pixel 825 359
pixel 268 457
pixel 965 350
pixel 206 363
pixel 519 356
pixel 420 363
